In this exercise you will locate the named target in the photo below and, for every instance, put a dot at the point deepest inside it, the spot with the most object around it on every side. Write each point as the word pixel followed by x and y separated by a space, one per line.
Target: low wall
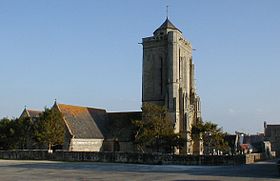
pixel 255 157
pixel 85 144
pixel 120 157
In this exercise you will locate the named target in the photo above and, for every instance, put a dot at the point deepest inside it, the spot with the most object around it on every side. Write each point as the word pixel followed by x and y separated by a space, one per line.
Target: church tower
pixel 168 80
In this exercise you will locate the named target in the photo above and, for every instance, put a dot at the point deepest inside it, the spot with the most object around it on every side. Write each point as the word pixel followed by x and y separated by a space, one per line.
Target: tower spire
pixel 167 11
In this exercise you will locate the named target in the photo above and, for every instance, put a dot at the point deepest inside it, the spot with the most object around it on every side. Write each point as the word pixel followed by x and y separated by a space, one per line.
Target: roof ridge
pixel 70 105
pixel 85 107
pixel 34 110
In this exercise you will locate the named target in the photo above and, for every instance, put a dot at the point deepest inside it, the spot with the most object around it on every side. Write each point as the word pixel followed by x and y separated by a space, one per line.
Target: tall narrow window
pixel 168 103
pixel 179 64
pixel 180 68
pixel 174 104
pixel 185 122
pixel 161 76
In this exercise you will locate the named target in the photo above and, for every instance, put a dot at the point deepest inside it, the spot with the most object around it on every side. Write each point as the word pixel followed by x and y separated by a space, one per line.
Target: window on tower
pixel 185 122
pixel 174 104
pixel 161 76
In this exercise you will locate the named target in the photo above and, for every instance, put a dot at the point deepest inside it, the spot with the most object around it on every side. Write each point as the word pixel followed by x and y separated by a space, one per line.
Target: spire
pixel 167 25
pixel 167 11
pixel 55 101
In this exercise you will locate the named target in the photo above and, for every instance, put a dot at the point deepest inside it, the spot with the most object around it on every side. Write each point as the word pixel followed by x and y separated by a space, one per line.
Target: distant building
pixel 242 143
pixel 254 138
pixel 256 142
pixel 29 113
pixel 272 134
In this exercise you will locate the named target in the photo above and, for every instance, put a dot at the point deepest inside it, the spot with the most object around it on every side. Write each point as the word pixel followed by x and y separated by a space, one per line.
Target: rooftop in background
pixel 30 113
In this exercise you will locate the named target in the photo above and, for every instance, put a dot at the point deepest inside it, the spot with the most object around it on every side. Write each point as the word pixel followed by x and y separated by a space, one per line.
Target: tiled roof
pixel 244 146
pixel 28 113
pixel 92 123
pixel 85 122
pixel 33 113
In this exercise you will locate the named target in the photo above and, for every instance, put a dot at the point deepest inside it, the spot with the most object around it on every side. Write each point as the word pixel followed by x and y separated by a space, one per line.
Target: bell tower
pixel 168 79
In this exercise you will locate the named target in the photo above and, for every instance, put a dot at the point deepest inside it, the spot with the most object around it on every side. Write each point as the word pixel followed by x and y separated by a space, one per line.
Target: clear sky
pixel 87 53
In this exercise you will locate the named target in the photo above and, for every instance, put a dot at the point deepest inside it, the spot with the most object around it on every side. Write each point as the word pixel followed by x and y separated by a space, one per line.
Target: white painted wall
pixel 86 145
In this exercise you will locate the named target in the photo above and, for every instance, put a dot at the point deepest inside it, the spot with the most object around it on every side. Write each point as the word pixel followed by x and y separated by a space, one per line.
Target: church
pixel 167 80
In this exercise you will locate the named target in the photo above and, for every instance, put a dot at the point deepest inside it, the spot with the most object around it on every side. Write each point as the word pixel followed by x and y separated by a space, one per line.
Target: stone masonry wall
pixel 121 157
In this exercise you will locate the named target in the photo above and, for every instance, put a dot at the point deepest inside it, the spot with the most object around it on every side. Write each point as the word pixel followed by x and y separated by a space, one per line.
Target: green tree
pixel 156 131
pixel 50 128
pixel 25 133
pixel 7 134
pixel 212 136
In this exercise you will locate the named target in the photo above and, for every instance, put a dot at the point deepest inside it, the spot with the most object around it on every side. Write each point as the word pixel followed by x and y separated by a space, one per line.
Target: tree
pixel 16 133
pixel 7 134
pixel 50 128
pixel 156 131
pixel 25 133
pixel 212 136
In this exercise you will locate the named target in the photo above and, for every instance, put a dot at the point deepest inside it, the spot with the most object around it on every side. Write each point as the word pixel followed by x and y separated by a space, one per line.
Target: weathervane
pixel 167 11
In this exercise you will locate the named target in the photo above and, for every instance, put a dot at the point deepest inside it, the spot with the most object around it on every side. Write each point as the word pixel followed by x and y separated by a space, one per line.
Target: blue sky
pixel 87 53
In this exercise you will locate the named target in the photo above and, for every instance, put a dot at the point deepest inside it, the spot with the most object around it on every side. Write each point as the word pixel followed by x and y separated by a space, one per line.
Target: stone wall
pixel 85 144
pixel 255 157
pixel 121 157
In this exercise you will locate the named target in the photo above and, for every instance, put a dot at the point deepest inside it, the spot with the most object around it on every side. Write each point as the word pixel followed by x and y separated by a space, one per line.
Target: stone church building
pixel 92 129
pixel 167 80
